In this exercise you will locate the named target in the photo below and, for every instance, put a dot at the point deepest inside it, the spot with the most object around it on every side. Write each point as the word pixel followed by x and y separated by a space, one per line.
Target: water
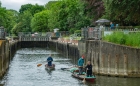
pixel 23 71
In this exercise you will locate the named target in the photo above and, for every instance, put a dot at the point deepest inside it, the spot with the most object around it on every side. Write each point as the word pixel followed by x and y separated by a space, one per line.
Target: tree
pixel 39 22
pixel 3 16
pixel 94 9
pixel 125 12
pixel 17 28
pixel 32 8
pixel 23 23
pixel 49 4
pixel 67 14
pixel 12 16
pixel 7 18
pixel 25 8
pixel 36 9
pixel 27 12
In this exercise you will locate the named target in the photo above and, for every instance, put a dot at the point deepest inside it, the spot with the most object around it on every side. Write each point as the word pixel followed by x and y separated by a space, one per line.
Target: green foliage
pixel 67 14
pixel 12 20
pixel 3 16
pixel 24 21
pixel 138 27
pixel 94 9
pixel 72 15
pixel 131 39
pixel 8 18
pixel 25 8
pixel 77 31
pixel 27 12
pixel 124 12
pixel 17 28
pixel 36 9
pixel 49 4
pixel 72 30
pixel 39 22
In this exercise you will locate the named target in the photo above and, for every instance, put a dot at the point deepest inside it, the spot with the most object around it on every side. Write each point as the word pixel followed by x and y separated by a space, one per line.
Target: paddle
pixel 38 65
pixel 84 80
pixel 68 69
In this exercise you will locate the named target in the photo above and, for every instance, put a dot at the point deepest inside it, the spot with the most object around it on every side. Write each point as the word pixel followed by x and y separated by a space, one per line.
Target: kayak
pixel 83 76
pixel 50 67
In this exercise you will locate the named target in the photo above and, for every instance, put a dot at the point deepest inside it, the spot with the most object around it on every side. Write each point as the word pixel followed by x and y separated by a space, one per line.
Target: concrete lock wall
pixel 107 58
pixel 4 56
pixel 7 52
pixel 114 60
pixel 67 49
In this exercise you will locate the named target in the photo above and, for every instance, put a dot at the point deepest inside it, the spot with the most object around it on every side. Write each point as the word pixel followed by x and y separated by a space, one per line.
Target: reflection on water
pixel 23 71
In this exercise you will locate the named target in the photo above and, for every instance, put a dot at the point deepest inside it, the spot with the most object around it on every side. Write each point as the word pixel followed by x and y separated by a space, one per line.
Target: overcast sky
pixel 16 4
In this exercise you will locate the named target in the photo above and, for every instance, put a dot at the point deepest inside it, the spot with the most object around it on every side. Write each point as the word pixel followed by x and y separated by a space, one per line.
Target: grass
pixel 131 39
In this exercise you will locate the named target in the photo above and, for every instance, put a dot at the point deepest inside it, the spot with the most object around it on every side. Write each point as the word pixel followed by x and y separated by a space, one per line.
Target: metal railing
pixel 38 36
pixel 91 33
pixel 98 33
pixel 34 38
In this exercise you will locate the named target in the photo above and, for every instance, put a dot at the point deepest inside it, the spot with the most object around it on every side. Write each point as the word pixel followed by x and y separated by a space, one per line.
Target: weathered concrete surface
pixel 108 59
pixel 112 59
pixel 7 51
pixel 67 49
pixel 4 56
pixel 30 44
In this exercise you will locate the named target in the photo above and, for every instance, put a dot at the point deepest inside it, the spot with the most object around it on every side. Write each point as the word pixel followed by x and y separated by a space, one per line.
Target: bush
pixel 77 31
pixel 72 30
pixel 132 39
pixel 137 27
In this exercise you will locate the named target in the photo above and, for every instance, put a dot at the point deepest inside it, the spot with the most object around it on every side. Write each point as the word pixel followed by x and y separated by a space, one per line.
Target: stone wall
pixel 112 59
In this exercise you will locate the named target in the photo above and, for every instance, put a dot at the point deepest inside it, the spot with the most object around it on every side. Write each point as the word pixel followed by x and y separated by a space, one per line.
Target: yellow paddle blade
pixel 38 65
pixel 84 80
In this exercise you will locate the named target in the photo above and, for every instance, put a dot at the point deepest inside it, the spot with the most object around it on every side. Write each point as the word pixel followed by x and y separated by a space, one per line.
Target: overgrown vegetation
pixel 131 39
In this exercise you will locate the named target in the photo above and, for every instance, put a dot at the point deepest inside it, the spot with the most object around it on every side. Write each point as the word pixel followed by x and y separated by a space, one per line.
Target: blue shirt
pixel 112 26
pixel 80 62
pixel 49 60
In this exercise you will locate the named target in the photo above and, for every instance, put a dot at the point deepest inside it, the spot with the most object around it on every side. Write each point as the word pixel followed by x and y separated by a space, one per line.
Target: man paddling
pixel 89 69
pixel 49 60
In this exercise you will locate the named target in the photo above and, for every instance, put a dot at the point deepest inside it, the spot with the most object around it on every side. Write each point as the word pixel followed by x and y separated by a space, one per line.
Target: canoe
pixel 81 77
pixel 50 67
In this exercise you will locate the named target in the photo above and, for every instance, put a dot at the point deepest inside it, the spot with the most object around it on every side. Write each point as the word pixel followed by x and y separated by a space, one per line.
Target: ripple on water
pixel 23 71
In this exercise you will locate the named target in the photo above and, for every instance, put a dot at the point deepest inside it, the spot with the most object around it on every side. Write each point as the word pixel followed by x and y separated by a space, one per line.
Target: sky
pixel 16 4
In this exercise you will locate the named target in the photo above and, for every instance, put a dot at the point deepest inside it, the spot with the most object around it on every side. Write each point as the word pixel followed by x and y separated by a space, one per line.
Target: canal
pixel 23 71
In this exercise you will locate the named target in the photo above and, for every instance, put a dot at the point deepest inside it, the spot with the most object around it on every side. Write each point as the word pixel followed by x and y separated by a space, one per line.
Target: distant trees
pixel 124 12
pixel 26 13
pixel 39 22
pixel 69 15
pixel 94 9
pixel 7 18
